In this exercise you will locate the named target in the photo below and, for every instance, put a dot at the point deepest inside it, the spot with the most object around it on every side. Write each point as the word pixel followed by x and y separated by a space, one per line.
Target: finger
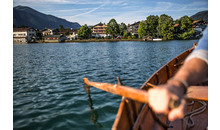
pixel 177 113
pixel 159 102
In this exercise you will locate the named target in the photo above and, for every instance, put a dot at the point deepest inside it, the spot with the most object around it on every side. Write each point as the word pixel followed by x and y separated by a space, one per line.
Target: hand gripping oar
pixel 128 92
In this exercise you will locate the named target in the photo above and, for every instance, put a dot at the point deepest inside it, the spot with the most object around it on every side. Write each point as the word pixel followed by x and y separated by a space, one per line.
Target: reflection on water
pixel 94 116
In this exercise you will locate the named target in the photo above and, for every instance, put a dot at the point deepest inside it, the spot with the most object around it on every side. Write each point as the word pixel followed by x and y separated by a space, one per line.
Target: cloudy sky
pixel 91 12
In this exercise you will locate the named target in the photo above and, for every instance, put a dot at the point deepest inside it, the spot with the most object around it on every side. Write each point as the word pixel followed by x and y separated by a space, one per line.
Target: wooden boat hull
pixel 135 115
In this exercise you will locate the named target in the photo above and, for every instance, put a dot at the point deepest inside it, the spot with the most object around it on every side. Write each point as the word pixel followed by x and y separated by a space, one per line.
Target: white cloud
pixel 125 4
pixel 164 5
pixel 89 11
pixel 59 1
pixel 116 2
pixel 69 10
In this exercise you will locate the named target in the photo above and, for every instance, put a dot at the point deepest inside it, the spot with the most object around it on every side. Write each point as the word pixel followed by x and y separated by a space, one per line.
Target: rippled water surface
pixel 48 88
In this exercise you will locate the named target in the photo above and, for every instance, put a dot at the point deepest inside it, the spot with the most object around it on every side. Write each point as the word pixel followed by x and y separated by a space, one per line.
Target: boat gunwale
pixel 155 73
pixel 119 114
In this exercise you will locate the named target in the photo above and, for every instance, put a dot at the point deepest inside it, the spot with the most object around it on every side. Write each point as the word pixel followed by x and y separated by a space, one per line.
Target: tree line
pixel 163 27
pixel 154 26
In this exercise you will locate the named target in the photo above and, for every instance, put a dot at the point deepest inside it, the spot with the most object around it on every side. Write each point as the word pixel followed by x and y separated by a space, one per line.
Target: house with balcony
pixel 23 35
pixel 46 32
pixel 99 30
pixel 133 28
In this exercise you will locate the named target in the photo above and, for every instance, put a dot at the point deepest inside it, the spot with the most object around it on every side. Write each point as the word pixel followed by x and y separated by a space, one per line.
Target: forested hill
pixel 32 18
pixel 201 15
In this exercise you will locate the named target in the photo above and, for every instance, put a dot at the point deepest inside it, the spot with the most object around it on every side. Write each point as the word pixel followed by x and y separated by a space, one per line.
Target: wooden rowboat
pixel 135 114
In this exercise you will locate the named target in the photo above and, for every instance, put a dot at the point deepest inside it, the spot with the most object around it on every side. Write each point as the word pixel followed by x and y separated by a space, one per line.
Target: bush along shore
pixel 102 40
pixel 87 40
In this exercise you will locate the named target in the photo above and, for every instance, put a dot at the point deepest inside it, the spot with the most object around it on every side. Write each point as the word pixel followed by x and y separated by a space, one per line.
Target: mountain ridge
pixel 201 15
pixel 33 18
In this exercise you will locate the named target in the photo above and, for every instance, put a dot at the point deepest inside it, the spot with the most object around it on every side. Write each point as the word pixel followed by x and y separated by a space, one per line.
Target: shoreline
pixel 94 40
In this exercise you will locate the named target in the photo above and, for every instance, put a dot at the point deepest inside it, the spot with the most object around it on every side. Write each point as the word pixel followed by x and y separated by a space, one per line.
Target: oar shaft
pixel 128 92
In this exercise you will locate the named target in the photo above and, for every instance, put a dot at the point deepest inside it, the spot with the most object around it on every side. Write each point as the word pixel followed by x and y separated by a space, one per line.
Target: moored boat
pixel 134 113
pixel 157 39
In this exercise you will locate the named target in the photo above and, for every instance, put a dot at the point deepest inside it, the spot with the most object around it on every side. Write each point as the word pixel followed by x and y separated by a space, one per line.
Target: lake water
pixel 48 88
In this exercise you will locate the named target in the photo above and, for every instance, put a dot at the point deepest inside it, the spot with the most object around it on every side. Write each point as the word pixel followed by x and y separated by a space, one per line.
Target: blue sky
pixel 91 12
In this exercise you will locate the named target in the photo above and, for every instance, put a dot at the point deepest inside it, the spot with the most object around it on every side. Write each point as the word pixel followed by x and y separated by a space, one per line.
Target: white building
pixel 199 29
pixel 72 36
pixel 23 34
pixel 49 32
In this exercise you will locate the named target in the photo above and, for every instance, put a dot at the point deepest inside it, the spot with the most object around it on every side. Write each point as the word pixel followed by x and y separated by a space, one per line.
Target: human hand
pixel 160 97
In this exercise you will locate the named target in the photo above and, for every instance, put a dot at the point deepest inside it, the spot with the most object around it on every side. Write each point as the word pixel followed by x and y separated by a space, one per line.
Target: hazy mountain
pixel 201 15
pixel 32 18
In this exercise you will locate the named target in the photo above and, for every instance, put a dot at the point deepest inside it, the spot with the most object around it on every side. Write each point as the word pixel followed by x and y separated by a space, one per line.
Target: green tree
pixel 185 30
pixel 122 28
pixel 112 28
pixel 84 31
pixel 165 26
pixel 185 23
pixel 126 34
pixel 187 34
pixel 22 26
pixel 66 33
pixel 142 29
pixel 61 27
pixel 38 34
pixel 151 24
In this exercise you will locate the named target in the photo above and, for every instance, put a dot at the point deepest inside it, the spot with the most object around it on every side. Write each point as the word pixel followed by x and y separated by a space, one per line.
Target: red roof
pixel 21 29
pixel 175 25
pixel 19 37
pixel 196 21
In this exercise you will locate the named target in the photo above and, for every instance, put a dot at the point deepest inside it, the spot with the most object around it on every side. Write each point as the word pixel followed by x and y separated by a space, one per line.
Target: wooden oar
pixel 128 92
pixel 197 93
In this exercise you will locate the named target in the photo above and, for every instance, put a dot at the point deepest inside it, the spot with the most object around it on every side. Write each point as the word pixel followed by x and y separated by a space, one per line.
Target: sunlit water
pixel 48 88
